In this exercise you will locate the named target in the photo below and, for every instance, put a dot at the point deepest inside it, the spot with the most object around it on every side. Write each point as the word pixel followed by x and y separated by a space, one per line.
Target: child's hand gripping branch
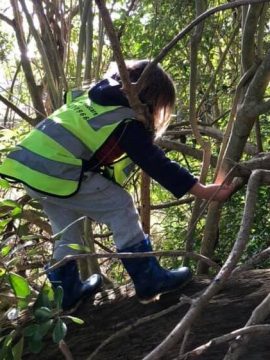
pixel 218 192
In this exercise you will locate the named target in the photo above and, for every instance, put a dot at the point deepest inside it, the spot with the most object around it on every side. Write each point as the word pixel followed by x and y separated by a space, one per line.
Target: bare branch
pixel 252 262
pixel 19 112
pixel 172 203
pixel 130 90
pixel 55 96
pixel 187 150
pixel 212 132
pixel 134 255
pixel 7 20
pixel 65 350
pixel 225 338
pixel 258 315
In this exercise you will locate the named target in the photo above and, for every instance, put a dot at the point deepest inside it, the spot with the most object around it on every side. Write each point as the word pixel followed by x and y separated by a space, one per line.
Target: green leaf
pixel 45 327
pixel 59 331
pixel 58 297
pixel 5 250
pixel 4 223
pixel 38 331
pixel 35 345
pixel 79 247
pixel 75 319
pixel 10 207
pixel 5 348
pixel 45 297
pixel 43 314
pixel 2 272
pixel 9 203
pixel 4 184
pixel 17 350
pixel 30 330
pixel 8 339
pixel 16 212
pixel 19 285
pixel 23 303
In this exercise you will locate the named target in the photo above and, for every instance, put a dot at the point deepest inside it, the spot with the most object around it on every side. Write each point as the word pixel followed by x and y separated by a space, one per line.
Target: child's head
pixel 157 92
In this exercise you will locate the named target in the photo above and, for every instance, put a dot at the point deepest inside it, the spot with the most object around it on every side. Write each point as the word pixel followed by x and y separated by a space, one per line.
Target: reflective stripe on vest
pixel 64 137
pixel 46 166
pixel 54 150
pixel 110 118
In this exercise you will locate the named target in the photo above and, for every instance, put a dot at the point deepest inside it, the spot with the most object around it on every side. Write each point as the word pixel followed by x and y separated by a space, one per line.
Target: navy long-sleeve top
pixel 136 141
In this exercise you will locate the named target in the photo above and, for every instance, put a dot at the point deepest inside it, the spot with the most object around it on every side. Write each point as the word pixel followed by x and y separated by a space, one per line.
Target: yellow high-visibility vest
pixel 50 158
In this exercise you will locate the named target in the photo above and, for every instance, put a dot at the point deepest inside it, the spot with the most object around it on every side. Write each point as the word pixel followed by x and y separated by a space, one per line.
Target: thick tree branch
pixel 250 330
pixel 212 132
pixel 205 145
pixel 258 316
pixel 252 262
pixel 130 90
pixel 184 149
pixel 56 98
pixel 19 112
pixel 7 20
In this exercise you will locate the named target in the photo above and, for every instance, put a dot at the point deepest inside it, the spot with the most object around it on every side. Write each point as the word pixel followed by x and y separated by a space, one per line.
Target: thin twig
pixel 134 255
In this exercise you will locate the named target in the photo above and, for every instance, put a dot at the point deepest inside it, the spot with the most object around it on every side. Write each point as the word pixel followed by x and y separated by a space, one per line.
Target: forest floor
pixel 114 310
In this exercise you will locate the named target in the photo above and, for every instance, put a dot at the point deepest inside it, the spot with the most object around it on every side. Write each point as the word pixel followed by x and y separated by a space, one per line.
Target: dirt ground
pixel 114 310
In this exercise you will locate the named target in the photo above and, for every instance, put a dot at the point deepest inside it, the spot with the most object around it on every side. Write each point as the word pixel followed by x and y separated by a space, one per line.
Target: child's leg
pixel 67 275
pixel 101 200
pixel 61 218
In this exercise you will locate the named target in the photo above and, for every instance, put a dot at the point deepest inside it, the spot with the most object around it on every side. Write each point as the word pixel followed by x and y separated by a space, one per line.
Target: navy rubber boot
pixel 74 289
pixel 149 278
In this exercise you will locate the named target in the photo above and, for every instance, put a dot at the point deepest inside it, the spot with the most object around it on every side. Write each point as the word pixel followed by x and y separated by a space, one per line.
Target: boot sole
pixel 157 296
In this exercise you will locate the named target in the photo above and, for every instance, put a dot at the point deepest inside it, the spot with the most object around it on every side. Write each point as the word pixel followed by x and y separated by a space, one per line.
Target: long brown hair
pixel 158 92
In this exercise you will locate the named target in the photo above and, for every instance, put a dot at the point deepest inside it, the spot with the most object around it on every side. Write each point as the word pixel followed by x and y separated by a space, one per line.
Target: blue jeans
pixel 102 201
